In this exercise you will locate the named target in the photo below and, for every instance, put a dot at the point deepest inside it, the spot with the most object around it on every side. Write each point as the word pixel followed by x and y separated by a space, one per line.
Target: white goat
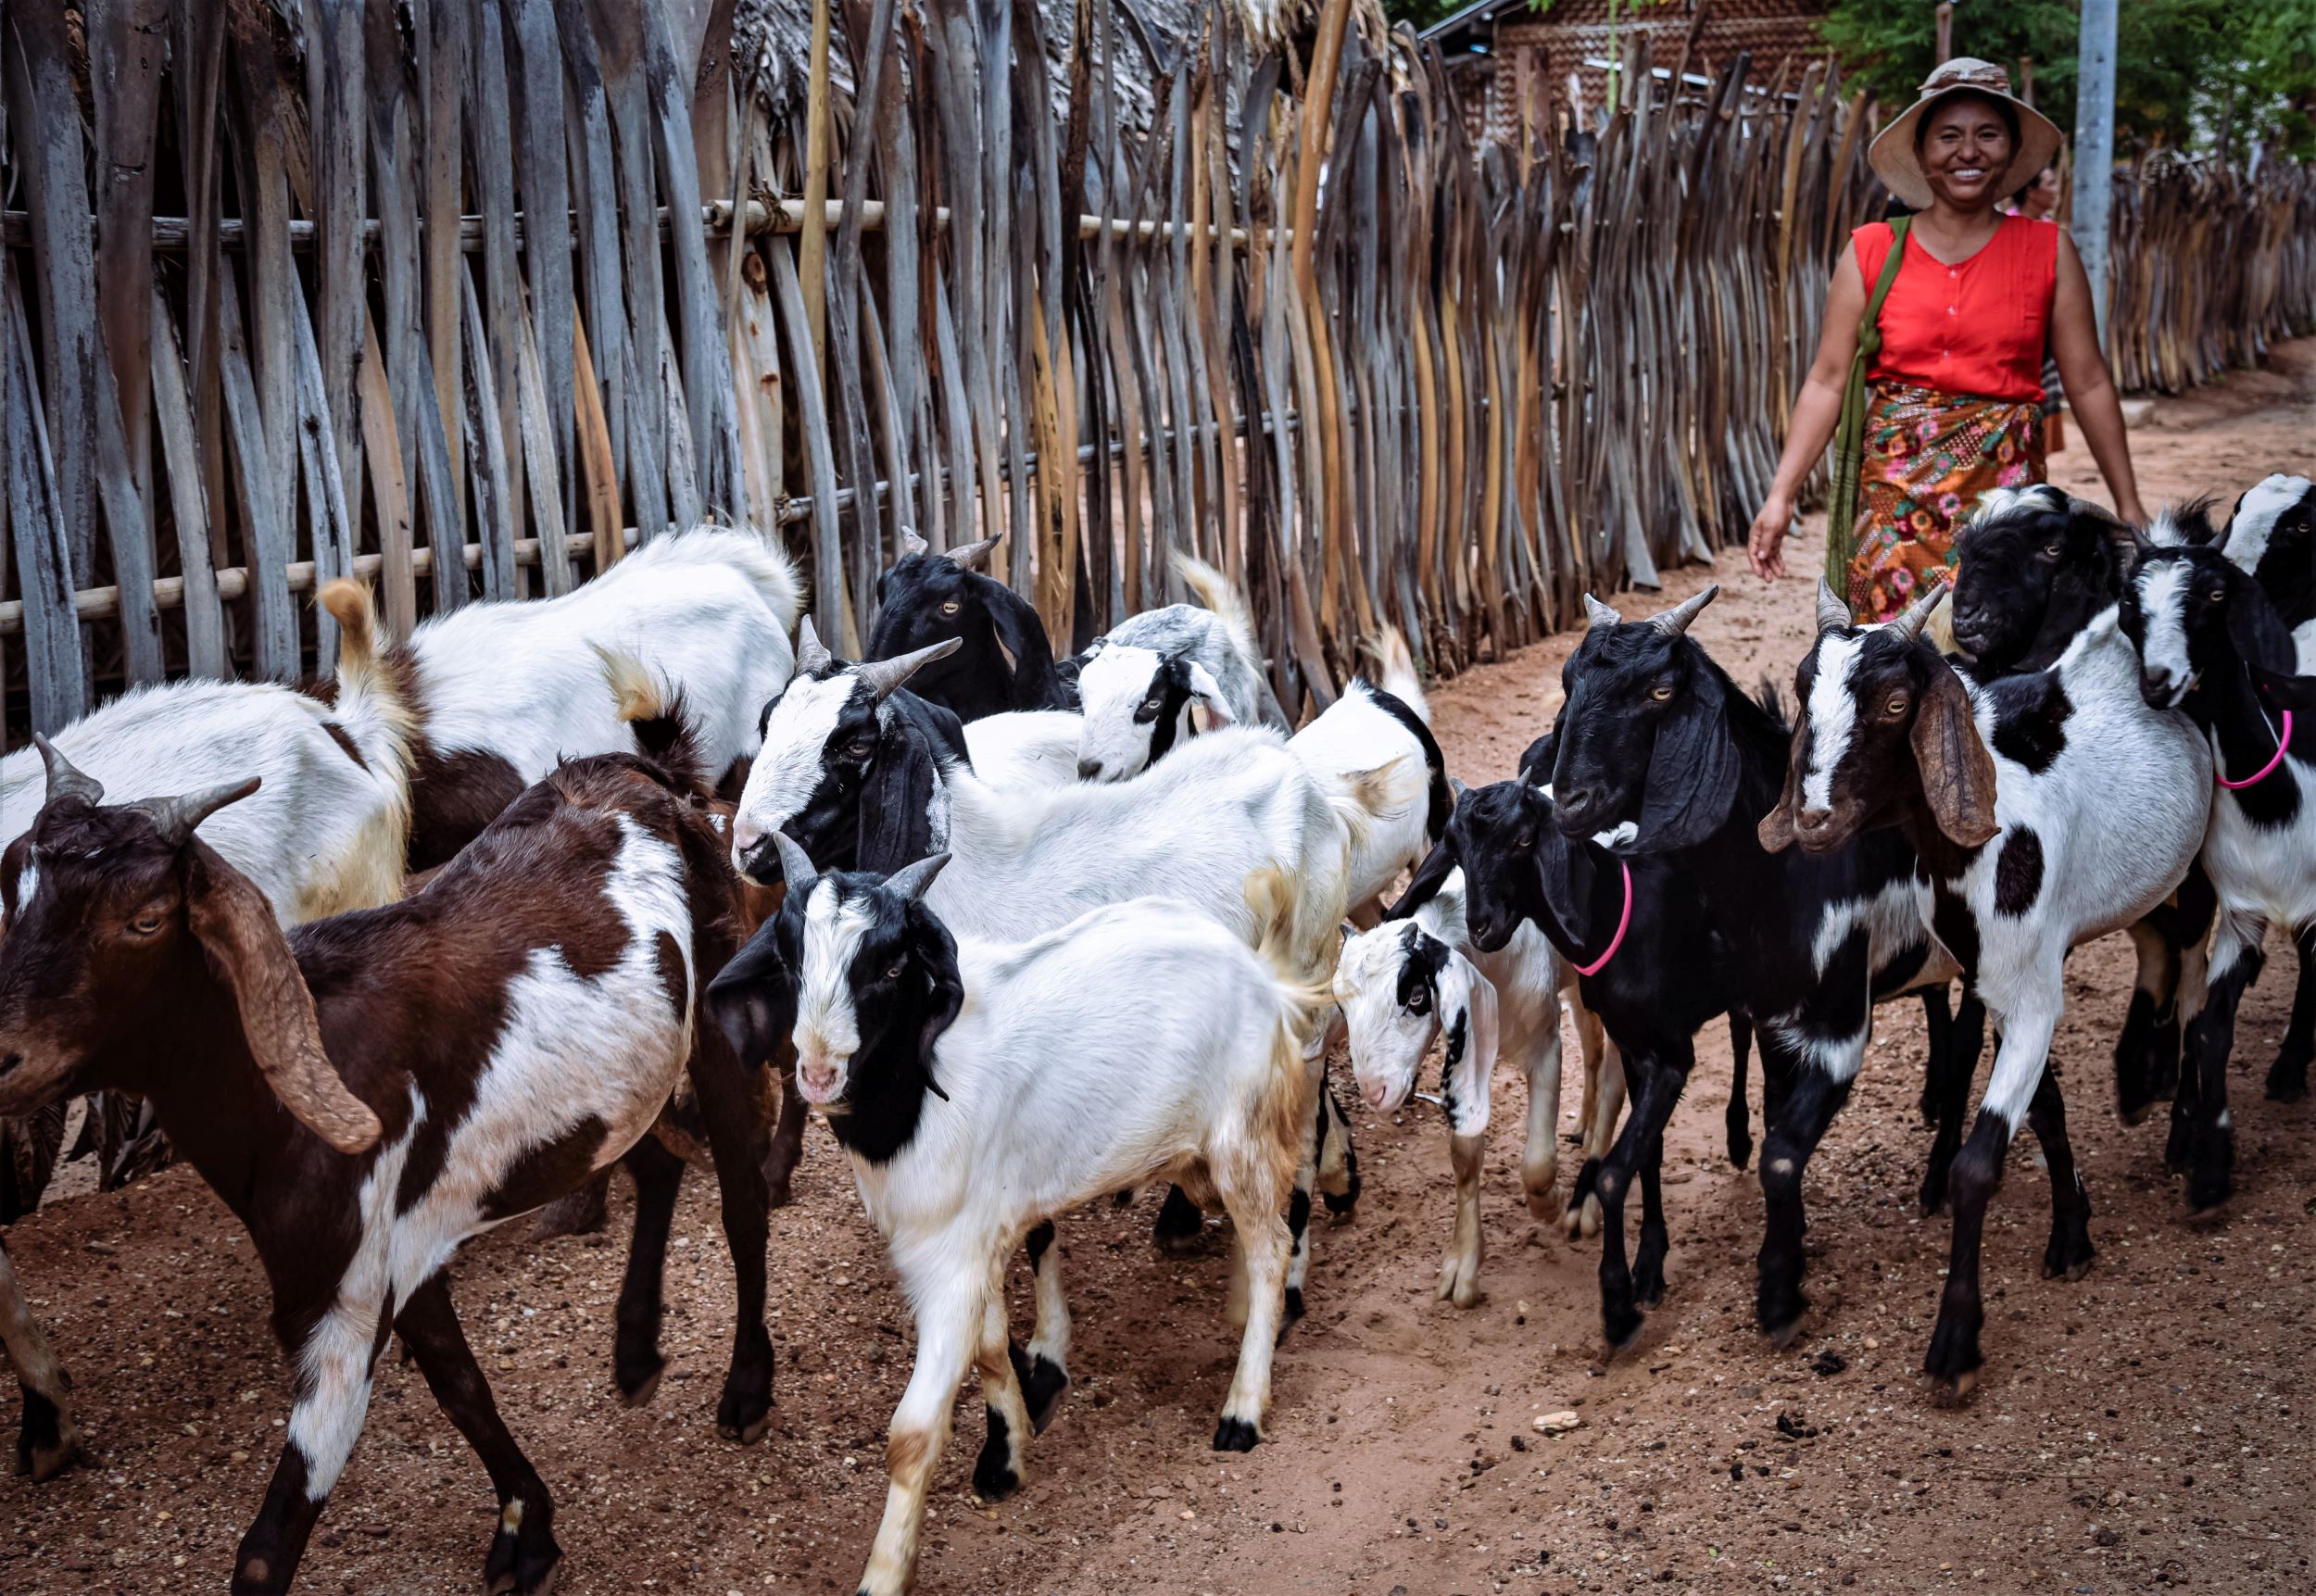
pixel 1141 1041
pixel 1139 682
pixel 1404 984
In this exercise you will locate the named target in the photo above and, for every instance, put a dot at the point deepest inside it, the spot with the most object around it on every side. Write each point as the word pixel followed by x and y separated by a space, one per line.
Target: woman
pixel 1955 395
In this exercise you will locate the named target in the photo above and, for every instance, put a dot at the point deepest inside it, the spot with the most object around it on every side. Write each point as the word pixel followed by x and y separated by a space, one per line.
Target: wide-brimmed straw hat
pixel 1899 165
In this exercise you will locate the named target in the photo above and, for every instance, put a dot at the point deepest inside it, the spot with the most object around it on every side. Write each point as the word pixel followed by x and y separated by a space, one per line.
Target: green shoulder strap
pixel 1849 434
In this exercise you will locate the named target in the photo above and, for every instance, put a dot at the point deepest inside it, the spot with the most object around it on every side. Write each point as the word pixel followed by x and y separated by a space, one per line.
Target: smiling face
pixel 1965 142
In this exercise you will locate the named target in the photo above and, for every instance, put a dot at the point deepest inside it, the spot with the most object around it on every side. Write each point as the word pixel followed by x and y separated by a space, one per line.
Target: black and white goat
pixel 500 692
pixel 859 773
pixel 982 1088
pixel 372 1089
pixel 2272 535
pixel 1655 735
pixel 1006 661
pixel 2200 626
pixel 2043 566
pixel 1144 683
pixel 2009 791
pixel 1386 728
pixel 1404 984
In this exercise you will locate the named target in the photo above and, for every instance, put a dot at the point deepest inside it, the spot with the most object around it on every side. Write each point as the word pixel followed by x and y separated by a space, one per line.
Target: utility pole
pixel 2095 146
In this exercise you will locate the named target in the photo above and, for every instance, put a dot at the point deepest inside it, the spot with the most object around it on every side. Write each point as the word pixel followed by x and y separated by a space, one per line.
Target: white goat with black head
pixel 858 773
pixel 2272 535
pixel 2008 792
pixel 2202 625
pixel 983 1086
pixel 1405 984
pixel 1140 681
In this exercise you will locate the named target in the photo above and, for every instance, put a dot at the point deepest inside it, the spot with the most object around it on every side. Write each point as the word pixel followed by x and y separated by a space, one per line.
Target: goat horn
pixel 911 543
pixel 1675 622
pixel 973 555
pixel 885 675
pixel 1909 625
pixel 176 817
pixel 1833 615
pixel 796 867
pixel 64 781
pixel 810 653
pixel 910 881
pixel 1597 614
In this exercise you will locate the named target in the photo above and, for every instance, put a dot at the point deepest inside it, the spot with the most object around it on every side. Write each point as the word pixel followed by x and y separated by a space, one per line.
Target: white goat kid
pixel 1142 1041
pixel 1405 984
pixel 1139 683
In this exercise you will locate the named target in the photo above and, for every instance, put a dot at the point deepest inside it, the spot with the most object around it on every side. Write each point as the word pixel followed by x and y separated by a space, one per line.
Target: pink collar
pixel 1623 920
pixel 2283 741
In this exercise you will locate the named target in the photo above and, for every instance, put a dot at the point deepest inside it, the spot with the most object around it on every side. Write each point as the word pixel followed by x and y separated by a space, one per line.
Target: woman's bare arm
pixel 1817 411
pixel 2090 387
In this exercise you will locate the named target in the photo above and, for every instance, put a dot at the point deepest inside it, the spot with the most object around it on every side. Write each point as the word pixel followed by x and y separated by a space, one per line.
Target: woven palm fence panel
pixel 278 301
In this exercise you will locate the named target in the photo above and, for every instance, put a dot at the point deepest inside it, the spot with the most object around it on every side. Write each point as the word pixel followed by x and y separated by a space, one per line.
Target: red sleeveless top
pixel 1977 327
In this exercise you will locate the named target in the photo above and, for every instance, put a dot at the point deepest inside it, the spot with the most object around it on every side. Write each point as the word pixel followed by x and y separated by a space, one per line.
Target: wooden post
pixel 1945 34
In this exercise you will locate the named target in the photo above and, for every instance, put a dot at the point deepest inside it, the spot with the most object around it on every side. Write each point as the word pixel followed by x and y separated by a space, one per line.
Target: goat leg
pixel 787 1135
pixel 524 1554
pixel 2070 1251
pixel 2210 1140
pixel 1947 1090
pixel 48 1441
pixel 997 1473
pixel 636 1361
pixel 2287 1077
pixel 738 1113
pixel 1655 1084
pixel 1805 1108
pixel 1044 1369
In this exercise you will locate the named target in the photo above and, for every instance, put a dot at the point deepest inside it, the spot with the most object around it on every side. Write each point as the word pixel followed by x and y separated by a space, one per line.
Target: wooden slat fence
pixel 274 305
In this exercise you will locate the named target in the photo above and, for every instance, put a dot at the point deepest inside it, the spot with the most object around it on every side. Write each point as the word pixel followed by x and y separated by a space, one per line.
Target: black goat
pixel 1655 744
pixel 1006 661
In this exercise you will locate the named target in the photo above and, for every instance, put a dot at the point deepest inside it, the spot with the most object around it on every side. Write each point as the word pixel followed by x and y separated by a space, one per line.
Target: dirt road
pixel 2146 1426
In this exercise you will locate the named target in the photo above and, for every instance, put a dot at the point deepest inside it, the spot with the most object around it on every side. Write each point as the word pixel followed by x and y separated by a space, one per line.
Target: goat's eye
pixel 899 968
pixel 145 924
pixel 2051 551
pixel 949 606
pixel 2218 595
pixel 1896 705
pixel 860 747
pixel 1662 691
pixel 1418 1001
pixel 1524 841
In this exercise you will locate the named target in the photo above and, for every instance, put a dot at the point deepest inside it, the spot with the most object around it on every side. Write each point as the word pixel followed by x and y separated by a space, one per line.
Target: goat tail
pixel 652 707
pixel 1214 590
pixel 374 705
pixel 1359 798
pixel 1284 1103
pixel 1395 670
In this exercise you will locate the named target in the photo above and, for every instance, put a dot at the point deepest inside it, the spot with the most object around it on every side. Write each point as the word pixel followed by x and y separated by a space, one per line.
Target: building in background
pixel 1512 61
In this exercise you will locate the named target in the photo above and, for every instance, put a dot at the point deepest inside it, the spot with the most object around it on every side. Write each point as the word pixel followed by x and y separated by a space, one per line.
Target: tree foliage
pixel 2189 73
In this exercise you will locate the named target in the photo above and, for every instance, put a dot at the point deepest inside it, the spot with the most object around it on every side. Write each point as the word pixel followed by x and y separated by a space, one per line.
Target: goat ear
pixel 1468 1014
pixel 946 994
pixel 235 924
pixel 752 1000
pixel 1567 869
pixel 1957 773
pixel 1437 866
pixel 1021 634
pixel 1776 830
pixel 1206 694
pixel 897 803
pixel 2256 629
pixel 2287 691
pixel 1693 774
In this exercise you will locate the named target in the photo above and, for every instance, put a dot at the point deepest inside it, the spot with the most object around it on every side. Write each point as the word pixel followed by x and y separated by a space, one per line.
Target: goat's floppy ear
pixel 1022 636
pixel 235 925
pixel 752 1000
pixel 1468 1016
pixel 946 993
pixel 1776 830
pixel 896 801
pixel 1206 694
pixel 1567 870
pixel 1958 772
pixel 2297 694
pixel 1693 774
pixel 1437 866
pixel 2256 629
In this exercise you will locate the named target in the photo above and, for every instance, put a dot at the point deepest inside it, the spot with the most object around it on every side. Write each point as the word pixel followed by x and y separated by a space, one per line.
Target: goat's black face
pixel 1643 737
pixel 821 737
pixel 2190 612
pixel 1853 764
pixel 2029 554
pixel 2273 536
pixel 1494 835
pixel 1005 663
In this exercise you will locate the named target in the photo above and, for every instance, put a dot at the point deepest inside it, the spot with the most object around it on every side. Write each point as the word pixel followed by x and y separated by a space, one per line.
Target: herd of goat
pixel 547 887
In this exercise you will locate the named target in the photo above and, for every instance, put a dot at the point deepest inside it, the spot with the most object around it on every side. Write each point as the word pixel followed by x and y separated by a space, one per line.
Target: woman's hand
pixel 1765 543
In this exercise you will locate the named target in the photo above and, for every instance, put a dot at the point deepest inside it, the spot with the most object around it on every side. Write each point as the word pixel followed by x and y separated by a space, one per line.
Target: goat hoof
pixel 1740 1151
pixel 1620 1325
pixel 1781 1336
pixel 1544 1204
pixel 777 1194
pixel 526 1574
pixel 2287 1080
pixel 743 1417
pixel 636 1394
pixel 1293 1309
pixel 1235 1435
pixel 1648 1288
pixel 1042 1392
pixel 1953 1391
pixel 49 1441
pixel 993 1475
pixel 1954 1359
pixel 1459 1285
